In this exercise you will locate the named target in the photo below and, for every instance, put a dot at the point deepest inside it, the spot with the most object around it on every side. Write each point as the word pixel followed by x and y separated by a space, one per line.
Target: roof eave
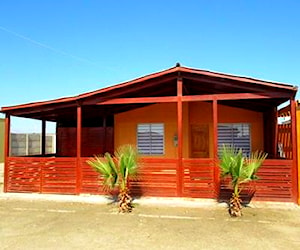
pixel 78 98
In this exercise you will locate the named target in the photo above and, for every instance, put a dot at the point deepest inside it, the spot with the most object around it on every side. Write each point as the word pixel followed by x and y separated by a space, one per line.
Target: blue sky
pixel 50 49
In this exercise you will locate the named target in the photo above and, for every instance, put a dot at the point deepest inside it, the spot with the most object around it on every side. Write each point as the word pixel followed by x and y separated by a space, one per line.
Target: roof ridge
pixel 176 68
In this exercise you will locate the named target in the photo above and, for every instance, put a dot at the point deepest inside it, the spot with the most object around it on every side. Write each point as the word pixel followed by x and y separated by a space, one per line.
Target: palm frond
pixel 128 160
pixel 227 156
pixel 252 164
pixel 128 163
pixel 107 169
pixel 241 169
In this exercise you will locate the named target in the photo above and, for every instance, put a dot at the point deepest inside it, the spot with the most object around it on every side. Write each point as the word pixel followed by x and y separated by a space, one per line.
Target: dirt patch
pixel 67 225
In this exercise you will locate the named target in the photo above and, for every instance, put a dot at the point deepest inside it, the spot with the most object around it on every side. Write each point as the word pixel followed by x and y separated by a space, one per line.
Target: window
pixel 150 138
pixel 236 135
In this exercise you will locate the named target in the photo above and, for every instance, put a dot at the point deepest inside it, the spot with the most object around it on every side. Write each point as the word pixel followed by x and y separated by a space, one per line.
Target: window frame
pixel 234 124
pixel 163 138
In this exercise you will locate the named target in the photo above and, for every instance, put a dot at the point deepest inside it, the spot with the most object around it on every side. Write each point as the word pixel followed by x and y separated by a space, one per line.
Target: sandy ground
pixel 42 224
pixel 1 176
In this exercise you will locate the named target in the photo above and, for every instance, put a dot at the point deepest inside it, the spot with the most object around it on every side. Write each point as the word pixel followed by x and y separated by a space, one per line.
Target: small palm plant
pixel 116 171
pixel 241 169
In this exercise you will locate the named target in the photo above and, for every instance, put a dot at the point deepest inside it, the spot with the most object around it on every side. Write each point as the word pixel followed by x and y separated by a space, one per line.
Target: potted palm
pixel 116 171
pixel 241 169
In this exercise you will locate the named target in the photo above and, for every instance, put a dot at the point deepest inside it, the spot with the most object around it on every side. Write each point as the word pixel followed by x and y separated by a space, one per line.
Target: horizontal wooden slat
pixel 91 182
pixel 156 177
pixel 41 174
pixel 274 183
pixel 198 178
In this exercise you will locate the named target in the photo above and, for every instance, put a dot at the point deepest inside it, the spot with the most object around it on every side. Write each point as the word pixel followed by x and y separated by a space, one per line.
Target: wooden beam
pixel 139 100
pixel 180 138
pixel 294 152
pixel 215 147
pixel 6 150
pixel 191 98
pixel 234 96
pixel 249 84
pixel 35 110
pixel 43 141
pixel 94 100
pixel 275 145
pixel 104 134
pixel 78 149
pixel 206 80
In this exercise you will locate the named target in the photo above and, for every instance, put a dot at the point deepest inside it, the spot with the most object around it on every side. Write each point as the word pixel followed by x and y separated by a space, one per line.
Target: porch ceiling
pixel 164 83
pixel 89 112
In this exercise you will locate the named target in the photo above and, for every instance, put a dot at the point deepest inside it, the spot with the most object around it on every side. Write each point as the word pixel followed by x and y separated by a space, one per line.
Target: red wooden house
pixel 178 118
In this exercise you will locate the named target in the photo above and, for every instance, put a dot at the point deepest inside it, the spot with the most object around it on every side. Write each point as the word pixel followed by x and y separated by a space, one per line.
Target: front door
pixel 199 141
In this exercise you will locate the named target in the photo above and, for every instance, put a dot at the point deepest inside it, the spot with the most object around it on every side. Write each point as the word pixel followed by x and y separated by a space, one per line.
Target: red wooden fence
pixel 41 174
pixel 285 139
pixel 198 180
pixel 157 177
pixel 91 182
pixel 274 183
pixel 91 144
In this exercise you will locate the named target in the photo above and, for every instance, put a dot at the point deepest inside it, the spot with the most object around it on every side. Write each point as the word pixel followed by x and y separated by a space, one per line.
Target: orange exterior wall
pixel 201 112
pixel 126 125
pixel 193 113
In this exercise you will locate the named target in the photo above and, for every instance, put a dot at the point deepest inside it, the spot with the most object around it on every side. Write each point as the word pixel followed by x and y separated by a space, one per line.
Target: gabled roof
pixel 197 81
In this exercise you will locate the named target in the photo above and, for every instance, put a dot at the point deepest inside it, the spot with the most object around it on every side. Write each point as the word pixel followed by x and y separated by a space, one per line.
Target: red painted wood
pixel 153 83
pixel 140 100
pixel 198 180
pixel 215 147
pixel 157 177
pixel 91 180
pixel 180 137
pixel 42 175
pixel 120 87
pixel 6 150
pixel 104 135
pixel 275 146
pixel 187 98
pixel 294 149
pixel 256 82
pixel 284 137
pixel 233 96
pixel 274 183
pixel 43 146
pixel 93 142
pixel 78 150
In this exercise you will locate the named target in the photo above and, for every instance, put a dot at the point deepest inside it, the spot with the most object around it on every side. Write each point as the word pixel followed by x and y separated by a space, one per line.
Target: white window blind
pixel 150 138
pixel 236 135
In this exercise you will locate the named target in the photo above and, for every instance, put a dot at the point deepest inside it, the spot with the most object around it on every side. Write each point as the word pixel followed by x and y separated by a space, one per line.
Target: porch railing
pixel 157 177
pixel 274 183
pixel 198 180
pixel 41 175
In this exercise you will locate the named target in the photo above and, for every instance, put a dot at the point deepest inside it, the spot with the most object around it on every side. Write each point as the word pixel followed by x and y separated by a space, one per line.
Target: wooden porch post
pixel 6 150
pixel 215 143
pixel 275 146
pixel 294 152
pixel 104 135
pixel 78 149
pixel 180 139
pixel 43 138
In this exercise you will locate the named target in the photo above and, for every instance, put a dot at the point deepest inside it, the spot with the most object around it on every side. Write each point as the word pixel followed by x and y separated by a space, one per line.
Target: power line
pixel 45 46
